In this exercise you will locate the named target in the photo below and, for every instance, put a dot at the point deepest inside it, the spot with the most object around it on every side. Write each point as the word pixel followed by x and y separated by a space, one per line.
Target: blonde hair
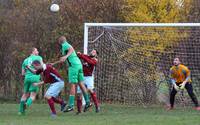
pixel 61 39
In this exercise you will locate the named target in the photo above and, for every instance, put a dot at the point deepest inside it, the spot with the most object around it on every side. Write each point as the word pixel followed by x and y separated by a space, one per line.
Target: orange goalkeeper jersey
pixel 180 73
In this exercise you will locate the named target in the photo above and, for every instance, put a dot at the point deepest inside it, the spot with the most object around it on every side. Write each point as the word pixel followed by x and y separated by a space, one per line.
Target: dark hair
pixel 36 62
pixel 96 51
pixel 32 49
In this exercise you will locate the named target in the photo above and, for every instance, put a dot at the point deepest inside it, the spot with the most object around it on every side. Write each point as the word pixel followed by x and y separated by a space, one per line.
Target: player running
pixel 89 62
pixel 29 79
pixel 75 72
pixel 51 76
pixel 180 77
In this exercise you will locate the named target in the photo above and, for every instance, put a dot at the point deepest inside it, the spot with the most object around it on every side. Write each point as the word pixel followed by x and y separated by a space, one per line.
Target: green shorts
pixel 28 84
pixel 75 74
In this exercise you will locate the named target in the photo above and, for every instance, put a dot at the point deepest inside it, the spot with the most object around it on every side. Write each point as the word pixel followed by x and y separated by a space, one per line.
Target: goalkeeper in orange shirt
pixel 180 77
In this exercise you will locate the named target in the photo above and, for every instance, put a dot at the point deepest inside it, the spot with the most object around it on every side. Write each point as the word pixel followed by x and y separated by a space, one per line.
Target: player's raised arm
pixel 56 62
pixel 70 51
pixel 38 84
pixel 63 58
pixel 89 60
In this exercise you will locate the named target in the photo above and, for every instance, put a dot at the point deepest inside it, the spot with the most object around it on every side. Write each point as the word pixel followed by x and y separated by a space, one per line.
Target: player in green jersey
pixel 75 72
pixel 30 91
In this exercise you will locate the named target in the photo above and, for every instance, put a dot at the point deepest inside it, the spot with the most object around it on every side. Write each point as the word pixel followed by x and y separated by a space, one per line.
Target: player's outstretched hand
pixel 35 84
pixel 62 59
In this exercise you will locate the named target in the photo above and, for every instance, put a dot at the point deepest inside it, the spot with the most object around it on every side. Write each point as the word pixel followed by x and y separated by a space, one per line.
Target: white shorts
pixel 55 89
pixel 88 82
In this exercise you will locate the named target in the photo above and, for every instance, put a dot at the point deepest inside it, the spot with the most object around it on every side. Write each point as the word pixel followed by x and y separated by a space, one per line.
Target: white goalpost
pixel 87 25
pixel 134 59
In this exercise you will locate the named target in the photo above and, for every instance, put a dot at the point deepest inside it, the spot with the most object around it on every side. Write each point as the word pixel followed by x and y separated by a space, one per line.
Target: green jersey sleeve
pixel 40 58
pixel 65 48
pixel 24 64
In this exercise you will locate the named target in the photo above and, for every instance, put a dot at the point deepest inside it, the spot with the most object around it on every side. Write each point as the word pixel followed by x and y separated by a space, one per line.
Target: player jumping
pixel 89 62
pixel 75 72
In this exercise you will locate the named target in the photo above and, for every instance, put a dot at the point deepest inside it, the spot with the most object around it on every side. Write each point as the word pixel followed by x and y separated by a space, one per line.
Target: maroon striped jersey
pixel 50 74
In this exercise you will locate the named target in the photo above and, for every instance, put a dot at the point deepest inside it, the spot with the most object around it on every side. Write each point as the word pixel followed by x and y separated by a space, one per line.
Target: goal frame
pixel 88 25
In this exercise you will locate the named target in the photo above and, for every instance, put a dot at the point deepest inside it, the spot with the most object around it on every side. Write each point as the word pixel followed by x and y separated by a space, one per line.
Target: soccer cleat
pixel 77 113
pixel 62 107
pixel 169 108
pixel 97 109
pixel 21 113
pixel 197 108
pixel 68 109
pixel 87 106
pixel 53 115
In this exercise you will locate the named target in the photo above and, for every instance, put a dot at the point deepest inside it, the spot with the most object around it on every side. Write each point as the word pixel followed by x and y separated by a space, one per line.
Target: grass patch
pixel 39 114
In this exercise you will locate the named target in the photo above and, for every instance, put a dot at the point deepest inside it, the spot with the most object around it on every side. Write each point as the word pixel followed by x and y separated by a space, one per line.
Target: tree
pixel 151 43
pixel 28 23
pixel 156 11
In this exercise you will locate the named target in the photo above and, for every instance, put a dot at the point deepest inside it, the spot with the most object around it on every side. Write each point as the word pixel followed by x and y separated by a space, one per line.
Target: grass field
pixel 109 115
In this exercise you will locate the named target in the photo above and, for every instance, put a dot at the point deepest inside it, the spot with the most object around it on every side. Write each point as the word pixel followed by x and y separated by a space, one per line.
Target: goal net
pixel 135 58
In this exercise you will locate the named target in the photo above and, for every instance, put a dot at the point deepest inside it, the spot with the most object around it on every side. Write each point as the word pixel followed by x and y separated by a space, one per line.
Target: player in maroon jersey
pixel 89 62
pixel 51 76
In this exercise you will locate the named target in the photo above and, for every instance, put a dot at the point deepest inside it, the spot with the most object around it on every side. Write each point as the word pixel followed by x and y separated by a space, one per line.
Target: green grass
pixel 109 115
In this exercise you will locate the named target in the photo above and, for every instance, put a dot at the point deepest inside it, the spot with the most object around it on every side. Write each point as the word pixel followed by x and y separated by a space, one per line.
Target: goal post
pixel 134 59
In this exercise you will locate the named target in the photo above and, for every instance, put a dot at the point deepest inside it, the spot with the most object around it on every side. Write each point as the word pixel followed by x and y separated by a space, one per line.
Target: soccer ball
pixel 54 8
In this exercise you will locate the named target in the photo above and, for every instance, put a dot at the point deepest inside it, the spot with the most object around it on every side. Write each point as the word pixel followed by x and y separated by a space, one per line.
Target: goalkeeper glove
pixel 182 85
pixel 176 87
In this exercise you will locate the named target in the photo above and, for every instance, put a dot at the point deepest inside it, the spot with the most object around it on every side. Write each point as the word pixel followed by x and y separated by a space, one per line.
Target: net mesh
pixel 134 62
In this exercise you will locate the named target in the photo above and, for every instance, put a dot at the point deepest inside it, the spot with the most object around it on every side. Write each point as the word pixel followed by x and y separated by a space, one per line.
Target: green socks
pixel 86 97
pixel 21 106
pixel 29 102
pixel 71 101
